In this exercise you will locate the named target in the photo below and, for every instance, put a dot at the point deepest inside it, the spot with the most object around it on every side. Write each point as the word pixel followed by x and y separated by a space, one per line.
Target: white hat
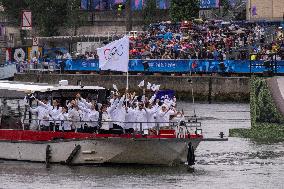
pixel 164 105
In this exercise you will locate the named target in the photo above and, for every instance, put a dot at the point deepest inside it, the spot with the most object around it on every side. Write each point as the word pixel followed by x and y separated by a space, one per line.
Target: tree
pixel 149 12
pixel 184 9
pixel 48 15
pixel 75 17
pixel 225 4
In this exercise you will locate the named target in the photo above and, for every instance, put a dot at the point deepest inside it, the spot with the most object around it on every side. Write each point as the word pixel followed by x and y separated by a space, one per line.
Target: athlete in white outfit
pixel 129 119
pixel 163 116
pixel 151 115
pixel 42 112
pixel 54 111
pixel 64 119
pixel 141 117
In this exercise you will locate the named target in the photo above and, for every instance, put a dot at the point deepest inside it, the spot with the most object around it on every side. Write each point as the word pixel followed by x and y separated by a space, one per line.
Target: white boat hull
pixel 101 150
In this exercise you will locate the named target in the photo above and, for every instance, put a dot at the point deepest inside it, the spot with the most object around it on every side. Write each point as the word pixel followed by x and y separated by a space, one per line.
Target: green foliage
pixel 75 17
pixel 149 12
pixel 267 122
pixel 184 10
pixel 261 132
pixel 48 15
pixel 13 8
pixel 225 4
pixel 263 108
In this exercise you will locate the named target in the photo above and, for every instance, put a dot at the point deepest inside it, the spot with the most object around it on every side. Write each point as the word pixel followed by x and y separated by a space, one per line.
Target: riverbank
pixel 205 88
pixel 267 120
pixel 261 132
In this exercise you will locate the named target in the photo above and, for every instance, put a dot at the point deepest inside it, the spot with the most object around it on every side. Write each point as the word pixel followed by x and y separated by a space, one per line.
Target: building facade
pixel 265 10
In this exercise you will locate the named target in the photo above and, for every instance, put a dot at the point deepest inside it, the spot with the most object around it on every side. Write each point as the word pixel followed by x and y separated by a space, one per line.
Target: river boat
pixel 173 145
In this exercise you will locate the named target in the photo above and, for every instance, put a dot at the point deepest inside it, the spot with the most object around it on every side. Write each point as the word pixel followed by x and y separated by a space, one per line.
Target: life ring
pixel 19 55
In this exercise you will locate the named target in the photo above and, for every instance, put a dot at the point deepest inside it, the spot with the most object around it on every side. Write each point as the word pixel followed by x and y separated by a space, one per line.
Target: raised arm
pixel 42 104
pixel 84 109
pixel 121 101
pixel 113 106
pixel 152 99
pixel 34 111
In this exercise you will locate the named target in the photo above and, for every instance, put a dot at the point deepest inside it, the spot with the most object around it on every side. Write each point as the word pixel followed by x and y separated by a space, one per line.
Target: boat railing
pixel 38 67
pixel 181 127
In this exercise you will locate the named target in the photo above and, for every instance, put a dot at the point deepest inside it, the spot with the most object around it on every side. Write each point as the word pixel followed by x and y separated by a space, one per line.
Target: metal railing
pixel 181 127
pixel 38 67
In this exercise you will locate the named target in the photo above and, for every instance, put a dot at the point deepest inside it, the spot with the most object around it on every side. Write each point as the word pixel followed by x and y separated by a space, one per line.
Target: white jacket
pixel 141 116
pixel 130 117
pixel 164 117
pixel 151 116
pixel 42 113
pixel 65 123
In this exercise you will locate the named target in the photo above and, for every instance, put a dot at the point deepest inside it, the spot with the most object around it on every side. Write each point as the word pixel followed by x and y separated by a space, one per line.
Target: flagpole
pixel 126 92
pixel 127 84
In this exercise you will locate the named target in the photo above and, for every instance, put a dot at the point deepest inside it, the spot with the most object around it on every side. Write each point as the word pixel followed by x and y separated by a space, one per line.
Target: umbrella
pixel 239 31
pixel 146 53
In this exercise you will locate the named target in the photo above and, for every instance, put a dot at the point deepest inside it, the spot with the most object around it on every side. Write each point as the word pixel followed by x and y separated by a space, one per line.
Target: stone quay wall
pixel 205 88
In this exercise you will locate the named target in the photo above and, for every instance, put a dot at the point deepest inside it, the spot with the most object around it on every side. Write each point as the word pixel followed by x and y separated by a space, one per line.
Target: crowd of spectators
pixel 217 40
pixel 207 40
pixel 198 39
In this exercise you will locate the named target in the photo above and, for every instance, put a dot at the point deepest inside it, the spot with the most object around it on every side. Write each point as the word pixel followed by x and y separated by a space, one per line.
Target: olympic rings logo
pixel 114 53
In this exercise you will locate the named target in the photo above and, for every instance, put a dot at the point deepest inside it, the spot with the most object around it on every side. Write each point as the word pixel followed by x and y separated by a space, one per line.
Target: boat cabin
pixel 15 95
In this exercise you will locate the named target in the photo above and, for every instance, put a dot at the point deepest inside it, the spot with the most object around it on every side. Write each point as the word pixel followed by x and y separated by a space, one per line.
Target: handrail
pixel 160 66
pixel 176 125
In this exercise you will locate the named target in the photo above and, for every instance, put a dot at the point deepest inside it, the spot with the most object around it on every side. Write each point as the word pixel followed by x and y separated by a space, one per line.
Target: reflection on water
pixel 238 163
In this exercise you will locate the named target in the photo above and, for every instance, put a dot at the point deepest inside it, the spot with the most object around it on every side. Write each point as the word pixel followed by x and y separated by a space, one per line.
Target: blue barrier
pixel 81 65
pixel 280 66
pixel 177 66
pixel 159 65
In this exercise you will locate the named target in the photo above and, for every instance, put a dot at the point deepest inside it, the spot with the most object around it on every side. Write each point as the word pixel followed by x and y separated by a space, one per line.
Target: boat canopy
pixel 41 87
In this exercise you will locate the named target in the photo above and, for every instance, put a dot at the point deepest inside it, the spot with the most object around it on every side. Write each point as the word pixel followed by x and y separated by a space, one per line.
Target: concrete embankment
pixel 215 89
pixel 276 87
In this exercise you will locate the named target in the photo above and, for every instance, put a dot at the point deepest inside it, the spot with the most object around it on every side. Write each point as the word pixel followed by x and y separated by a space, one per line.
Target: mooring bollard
pixel 221 135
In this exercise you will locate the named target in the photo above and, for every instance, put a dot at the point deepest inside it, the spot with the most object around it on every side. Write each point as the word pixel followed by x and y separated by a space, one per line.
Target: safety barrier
pixel 7 70
pixel 183 66
pixel 181 127
pixel 163 66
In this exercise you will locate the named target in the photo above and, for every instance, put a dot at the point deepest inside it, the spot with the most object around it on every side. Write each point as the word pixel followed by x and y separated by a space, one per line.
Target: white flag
pixel 149 86
pixel 114 87
pixel 153 87
pixel 158 87
pixel 115 55
pixel 141 84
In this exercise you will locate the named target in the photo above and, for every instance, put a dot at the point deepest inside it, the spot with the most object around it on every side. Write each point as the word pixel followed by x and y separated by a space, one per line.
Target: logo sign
pixel 35 41
pixel 26 20
pixel 114 53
